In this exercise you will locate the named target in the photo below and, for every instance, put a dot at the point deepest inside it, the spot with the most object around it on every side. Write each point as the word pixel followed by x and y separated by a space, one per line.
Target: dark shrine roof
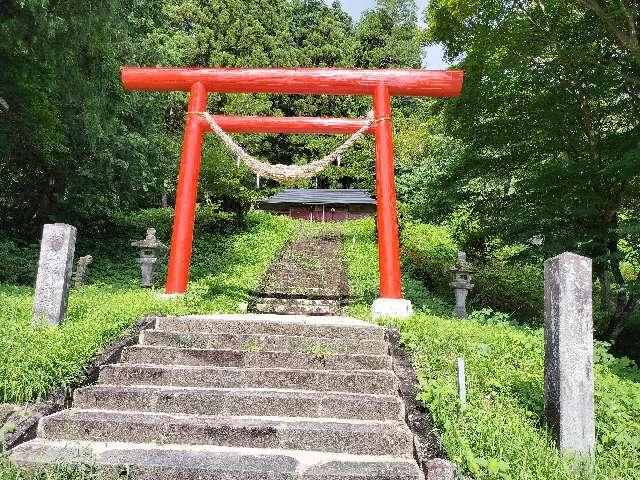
pixel 322 196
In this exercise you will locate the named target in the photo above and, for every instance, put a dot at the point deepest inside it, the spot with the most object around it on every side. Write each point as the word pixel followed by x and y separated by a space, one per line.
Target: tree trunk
pixel 625 308
pixel 626 301
pixel 41 214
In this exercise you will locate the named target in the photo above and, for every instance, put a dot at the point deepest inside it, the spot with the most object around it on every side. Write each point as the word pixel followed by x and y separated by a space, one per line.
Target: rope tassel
pixel 286 173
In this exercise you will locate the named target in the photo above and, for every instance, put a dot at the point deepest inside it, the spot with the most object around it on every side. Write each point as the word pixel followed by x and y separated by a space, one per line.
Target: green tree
pixel 389 36
pixel 74 146
pixel 549 120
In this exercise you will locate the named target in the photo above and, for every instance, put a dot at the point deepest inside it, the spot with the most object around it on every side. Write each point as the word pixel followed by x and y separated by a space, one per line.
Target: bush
pixel 19 262
pixel 36 360
pixel 110 244
pixel 510 286
pixel 500 434
pixel 501 282
pixel 209 219
pixel 428 253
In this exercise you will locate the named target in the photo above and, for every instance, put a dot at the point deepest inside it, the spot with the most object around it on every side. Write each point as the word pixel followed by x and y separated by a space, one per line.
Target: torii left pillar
pixel 379 84
pixel 185 214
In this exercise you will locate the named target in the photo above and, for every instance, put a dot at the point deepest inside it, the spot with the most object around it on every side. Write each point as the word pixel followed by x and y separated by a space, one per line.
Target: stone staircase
pixel 308 278
pixel 240 397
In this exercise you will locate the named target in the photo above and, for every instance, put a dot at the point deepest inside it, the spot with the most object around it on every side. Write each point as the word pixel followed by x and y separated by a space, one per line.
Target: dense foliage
pixel 543 143
pixel 500 434
pixel 75 147
pixel 501 282
pixel 33 361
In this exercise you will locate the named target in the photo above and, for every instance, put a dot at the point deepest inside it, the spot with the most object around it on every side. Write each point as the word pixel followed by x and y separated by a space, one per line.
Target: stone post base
pixel 391 308
pixel 168 296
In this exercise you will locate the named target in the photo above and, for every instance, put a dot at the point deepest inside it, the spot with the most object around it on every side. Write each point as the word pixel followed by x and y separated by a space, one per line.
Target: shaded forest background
pixel 540 154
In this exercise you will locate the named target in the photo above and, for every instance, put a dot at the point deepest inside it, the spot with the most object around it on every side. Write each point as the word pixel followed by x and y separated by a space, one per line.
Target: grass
pixel 36 360
pixel 500 434
pixel 58 472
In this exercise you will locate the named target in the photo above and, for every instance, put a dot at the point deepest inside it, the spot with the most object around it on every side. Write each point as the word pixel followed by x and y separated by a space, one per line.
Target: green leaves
pixel 77 148
pixel 548 126
pixel 226 269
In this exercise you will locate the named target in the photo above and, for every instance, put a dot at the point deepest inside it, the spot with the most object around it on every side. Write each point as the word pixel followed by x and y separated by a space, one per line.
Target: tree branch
pixel 623 39
pixel 521 7
pixel 631 20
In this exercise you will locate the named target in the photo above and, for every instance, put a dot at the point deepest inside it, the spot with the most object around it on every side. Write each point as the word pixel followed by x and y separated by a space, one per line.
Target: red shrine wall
pixel 316 213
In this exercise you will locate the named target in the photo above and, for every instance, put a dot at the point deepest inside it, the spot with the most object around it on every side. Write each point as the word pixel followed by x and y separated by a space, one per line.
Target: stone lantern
pixel 461 284
pixel 150 249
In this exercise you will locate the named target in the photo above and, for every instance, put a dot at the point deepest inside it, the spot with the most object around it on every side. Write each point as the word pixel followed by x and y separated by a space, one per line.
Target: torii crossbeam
pixel 379 84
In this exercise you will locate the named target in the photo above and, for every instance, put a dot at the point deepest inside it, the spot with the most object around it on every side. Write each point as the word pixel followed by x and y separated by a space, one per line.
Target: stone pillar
pixel 81 269
pixel 54 273
pixel 568 345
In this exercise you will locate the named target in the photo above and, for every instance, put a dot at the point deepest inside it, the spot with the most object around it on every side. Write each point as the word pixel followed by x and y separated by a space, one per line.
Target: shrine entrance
pixel 381 85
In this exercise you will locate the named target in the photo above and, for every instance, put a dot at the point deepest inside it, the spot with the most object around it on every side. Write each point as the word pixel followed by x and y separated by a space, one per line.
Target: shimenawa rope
pixel 286 173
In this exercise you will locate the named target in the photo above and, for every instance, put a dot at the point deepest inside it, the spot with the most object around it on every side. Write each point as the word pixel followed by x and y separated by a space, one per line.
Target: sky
pixel 433 56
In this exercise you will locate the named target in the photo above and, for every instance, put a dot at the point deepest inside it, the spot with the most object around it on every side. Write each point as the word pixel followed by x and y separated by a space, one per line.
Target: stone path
pixel 309 277
pixel 240 397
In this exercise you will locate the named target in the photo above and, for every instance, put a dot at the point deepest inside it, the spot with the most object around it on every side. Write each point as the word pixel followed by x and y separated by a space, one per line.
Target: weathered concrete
pixel 272 410
pixel 327 435
pixel 248 359
pixel 54 273
pixel 150 248
pixel 377 382
pixel 440 469
pixel 297 325
pixel 242 402
pixel 298 306
pixel 461 285
pixel 568 333
pixel 173 462
pixel 264 342
pixel 81 269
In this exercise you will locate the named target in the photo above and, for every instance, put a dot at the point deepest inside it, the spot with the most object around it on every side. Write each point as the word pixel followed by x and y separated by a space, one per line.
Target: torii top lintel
pixel 311 81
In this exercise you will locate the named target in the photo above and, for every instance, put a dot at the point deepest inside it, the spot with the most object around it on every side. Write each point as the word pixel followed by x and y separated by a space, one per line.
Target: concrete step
pixel 339 436
pixel 288 307
pixel 330 302
pixel 317 357
pixel 173 462
pixel 239 402
pixel 295 325
pixel 380 382
pixel 262 342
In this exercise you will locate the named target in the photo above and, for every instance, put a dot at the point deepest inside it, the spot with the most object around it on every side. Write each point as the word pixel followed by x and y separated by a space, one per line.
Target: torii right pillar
pixel 390 303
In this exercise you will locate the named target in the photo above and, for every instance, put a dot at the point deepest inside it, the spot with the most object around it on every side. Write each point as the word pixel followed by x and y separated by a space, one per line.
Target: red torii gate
pixel 380 84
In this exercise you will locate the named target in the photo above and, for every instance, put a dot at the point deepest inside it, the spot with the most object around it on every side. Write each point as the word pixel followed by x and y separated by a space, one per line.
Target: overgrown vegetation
pixel 319 352
pixel 542 145
pixel 82 471
pixel 500 434
pixel 226 269
pixel 76 147
pixel 538 156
